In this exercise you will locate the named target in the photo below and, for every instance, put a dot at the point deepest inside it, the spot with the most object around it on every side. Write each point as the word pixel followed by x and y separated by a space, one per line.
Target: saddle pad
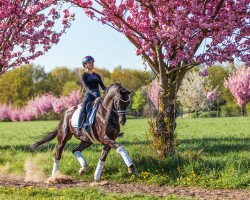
pixel 91 113
pixel 74 119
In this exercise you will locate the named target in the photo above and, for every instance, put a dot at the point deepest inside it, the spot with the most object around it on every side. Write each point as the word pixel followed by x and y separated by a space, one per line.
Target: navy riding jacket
pixel 91 82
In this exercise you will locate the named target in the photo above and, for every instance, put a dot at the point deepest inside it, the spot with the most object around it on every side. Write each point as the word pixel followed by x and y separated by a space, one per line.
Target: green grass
pixel 212 153
pixel 72 194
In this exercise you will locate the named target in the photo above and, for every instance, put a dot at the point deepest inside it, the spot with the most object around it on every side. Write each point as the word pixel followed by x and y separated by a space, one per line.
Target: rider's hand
pixel 95 94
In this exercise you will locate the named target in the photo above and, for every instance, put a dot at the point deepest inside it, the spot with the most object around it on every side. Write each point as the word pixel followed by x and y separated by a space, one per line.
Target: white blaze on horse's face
pixel 121 103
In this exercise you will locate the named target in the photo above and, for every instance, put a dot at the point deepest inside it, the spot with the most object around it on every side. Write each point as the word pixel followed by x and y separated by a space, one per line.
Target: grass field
pixel 212 153
pixel 72 194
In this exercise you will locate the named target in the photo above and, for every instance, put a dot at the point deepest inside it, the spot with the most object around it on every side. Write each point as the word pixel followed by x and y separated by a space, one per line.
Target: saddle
pixel 91 113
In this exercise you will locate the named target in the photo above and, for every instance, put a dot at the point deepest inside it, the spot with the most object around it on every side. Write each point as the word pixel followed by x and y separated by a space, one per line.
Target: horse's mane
pixel 111 88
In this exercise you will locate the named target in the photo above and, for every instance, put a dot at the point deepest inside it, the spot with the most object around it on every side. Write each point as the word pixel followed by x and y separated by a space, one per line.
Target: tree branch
pixel 183 66
pixel 217 9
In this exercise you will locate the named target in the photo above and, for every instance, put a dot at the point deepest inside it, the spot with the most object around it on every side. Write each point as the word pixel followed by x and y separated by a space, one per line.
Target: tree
pixel 239 85
pixel 130 78
pixel 26 82
pixel 57 78
pixel 27 30
pixel 138 101
pixel 16 87
pixel 70 86
pixel 39 81
pixel 193 92
pixel 216 76
pixel 40 106
pixel 169 34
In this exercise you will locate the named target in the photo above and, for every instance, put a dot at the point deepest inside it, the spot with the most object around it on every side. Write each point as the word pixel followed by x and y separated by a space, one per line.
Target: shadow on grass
pixel 45 148
pixel 210 145
pixel 128 143
pixel 216 145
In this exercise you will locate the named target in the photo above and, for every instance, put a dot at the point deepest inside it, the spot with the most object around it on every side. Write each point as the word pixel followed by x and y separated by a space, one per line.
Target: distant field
pixel 212 153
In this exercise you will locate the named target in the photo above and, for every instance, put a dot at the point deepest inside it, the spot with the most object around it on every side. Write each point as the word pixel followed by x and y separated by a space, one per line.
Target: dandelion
pixel 29 187
pixel 51 189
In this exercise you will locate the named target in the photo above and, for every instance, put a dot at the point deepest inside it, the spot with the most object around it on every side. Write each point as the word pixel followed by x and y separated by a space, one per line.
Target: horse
pixel 110 114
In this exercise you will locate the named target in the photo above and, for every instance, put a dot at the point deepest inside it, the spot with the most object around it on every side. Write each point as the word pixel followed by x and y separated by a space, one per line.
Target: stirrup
pixel 78 132
pixel 87 128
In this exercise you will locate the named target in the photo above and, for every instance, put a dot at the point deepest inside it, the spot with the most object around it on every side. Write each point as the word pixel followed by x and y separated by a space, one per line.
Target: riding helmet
pixel 87 59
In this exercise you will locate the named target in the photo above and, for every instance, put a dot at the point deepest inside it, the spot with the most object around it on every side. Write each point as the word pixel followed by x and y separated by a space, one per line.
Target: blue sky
pixel 88 37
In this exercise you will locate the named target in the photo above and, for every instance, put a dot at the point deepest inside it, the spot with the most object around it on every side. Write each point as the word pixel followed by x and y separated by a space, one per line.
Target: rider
pixel 91 82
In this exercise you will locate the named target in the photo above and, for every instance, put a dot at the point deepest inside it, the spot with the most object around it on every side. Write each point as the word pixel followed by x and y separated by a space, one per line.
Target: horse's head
pixel 121 101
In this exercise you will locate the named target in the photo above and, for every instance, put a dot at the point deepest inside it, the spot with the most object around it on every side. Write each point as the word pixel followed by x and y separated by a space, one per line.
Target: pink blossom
pixel 154 93
pixel 74 98
pixel 59 105
pixel 203 73
pixel 30 23
pixel 4 112
pixel 239 85
pixel 178 28
pixel 15 115
pixel 211 96
pixel 41 105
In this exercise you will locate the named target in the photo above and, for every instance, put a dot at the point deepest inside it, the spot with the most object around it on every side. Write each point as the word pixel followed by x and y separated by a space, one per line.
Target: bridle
pixel 125 101
pixel 117 112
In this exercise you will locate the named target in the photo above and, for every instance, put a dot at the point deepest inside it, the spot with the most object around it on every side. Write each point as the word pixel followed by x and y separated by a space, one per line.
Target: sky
pixel 89 37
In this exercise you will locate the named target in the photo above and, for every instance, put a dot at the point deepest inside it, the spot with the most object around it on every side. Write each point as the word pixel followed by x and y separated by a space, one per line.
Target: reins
pixel 117 112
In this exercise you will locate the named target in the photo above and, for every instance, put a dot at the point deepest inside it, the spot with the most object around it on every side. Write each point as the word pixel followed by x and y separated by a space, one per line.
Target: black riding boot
pixel 79 129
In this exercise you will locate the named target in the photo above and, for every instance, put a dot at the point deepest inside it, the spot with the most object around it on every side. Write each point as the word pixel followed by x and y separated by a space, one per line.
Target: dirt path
pixel 161 191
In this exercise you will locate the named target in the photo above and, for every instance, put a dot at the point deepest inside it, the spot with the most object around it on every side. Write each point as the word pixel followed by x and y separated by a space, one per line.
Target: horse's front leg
pixel 101 162
pixel 122 151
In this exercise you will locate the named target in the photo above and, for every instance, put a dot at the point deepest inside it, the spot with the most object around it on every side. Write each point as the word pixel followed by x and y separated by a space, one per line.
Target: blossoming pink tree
pixel 27 30
pixel 154 93
pixel 170 34
pixel 239 85
pixel 39 106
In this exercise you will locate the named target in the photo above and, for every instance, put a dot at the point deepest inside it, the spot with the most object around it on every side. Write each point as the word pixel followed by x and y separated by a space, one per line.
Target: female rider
pixel 91 82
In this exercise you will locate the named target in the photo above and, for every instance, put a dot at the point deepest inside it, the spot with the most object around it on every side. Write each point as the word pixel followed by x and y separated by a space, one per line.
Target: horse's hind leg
pixel 78 154
pixel 101 162
pixel 62 139
pixel 59 148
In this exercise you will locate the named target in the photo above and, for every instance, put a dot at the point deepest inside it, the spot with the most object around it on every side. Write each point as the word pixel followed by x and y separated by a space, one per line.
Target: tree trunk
pixel 242 108
pixel 196 113
pixel 164 140
pixel 165 130
pixel 218 107
pixel 1 70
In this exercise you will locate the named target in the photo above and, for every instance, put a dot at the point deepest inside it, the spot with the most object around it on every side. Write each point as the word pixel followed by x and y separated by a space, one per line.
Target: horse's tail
pixel 45 140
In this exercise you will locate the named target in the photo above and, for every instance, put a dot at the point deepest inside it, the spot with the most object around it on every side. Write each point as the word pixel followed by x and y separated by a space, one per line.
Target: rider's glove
pixel 95 94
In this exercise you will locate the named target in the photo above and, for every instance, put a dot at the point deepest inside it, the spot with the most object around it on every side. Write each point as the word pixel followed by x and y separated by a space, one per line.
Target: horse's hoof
pixel 120 134
pixel 131 169
pixel 82 170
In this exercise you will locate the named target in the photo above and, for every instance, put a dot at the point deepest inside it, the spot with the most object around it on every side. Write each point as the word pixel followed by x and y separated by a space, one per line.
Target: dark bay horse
pixel 106 128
